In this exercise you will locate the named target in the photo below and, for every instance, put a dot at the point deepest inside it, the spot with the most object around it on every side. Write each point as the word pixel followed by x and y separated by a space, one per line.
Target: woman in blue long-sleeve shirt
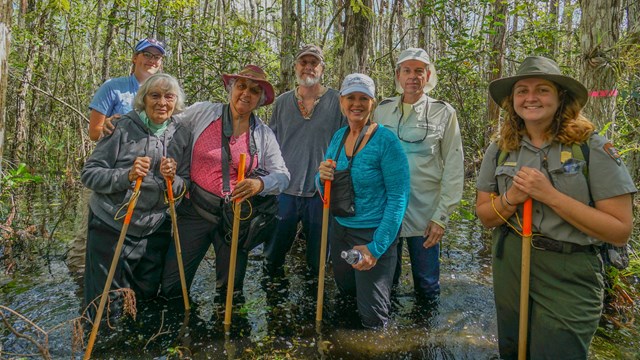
pixel 380 177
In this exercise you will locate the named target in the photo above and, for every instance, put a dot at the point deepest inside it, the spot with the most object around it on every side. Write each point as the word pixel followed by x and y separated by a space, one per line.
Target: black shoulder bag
pixel 342 194
pixel 257 214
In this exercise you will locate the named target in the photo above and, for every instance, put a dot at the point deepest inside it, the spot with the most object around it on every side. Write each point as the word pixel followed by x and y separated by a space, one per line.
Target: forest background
pixel 54 54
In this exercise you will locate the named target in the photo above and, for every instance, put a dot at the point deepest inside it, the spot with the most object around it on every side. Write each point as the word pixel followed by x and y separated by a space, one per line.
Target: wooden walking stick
pixel 524 279
pixel 234 248
pixel 176 237
pixel 323 248
pixel 112 270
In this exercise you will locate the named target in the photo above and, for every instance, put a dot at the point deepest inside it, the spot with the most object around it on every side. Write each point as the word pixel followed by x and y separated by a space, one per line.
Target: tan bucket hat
pixel 538 67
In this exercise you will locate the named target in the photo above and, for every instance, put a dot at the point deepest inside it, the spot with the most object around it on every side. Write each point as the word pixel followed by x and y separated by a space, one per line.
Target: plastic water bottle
pixel 352 256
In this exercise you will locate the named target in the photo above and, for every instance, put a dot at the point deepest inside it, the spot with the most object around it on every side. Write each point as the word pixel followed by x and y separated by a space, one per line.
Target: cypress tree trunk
pixel 357 37
pixel 5 37
pixel 600 31
pixel 288 46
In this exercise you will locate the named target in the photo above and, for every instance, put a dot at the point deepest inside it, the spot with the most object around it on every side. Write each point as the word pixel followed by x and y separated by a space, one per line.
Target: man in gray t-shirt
pixel 304 120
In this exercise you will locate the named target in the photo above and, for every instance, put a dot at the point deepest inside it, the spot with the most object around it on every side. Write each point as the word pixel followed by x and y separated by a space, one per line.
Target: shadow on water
pixel 277 318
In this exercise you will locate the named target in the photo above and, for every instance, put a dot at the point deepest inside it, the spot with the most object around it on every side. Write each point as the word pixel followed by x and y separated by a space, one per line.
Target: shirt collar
pixel 418 106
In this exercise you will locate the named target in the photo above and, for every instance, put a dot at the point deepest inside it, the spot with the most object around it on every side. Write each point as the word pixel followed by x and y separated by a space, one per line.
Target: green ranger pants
pixel 565 300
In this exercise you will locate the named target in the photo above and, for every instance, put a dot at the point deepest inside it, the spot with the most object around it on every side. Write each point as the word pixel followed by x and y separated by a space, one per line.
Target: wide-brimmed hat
pixel 358 83
pixel 253 73
pixel 538 67
pixel 420 55
pixel 312 50
pixel 150 42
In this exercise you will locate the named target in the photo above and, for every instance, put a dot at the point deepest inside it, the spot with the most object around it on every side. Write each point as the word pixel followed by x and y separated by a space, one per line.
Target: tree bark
pixel 600 31
pixel 424 40
pixel 108 41
pixel 288 46
pixel 553 24
pixel 567 27
pixel 5 42
pixel 497 41
pixel 19 146
pixel 357 37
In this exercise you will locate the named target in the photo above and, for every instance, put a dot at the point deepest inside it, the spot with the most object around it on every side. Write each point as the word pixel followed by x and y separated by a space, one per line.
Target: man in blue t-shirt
pixel 113 98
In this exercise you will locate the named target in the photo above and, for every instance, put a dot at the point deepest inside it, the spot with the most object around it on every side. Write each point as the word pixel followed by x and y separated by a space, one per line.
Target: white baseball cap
pixel 358 83
pixel 420 55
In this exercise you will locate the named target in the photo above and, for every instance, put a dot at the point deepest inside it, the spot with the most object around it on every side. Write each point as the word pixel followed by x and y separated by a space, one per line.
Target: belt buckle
pixel 547 244
pixel 536 245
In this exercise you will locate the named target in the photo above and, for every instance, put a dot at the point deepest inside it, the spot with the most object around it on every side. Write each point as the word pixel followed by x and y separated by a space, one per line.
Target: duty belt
pixel 541 242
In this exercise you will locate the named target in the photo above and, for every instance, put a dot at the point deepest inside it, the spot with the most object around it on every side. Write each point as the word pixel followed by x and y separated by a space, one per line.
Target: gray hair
pixel 232 81
pixel 168 83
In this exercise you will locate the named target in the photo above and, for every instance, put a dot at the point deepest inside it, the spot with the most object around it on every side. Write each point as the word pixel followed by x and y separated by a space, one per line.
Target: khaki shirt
pixel 436 164
pixel 607 178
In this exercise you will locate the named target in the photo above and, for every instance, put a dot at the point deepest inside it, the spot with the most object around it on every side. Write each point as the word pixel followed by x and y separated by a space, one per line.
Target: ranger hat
pixel 538 67
pixel 253 73
pixel 420 55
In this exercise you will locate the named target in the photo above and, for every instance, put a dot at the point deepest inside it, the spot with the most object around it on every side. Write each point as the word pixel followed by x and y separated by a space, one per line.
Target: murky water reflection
pixel 277 320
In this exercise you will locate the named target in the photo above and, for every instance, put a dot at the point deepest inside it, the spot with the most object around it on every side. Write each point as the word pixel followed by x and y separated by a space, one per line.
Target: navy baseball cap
pixel 150 42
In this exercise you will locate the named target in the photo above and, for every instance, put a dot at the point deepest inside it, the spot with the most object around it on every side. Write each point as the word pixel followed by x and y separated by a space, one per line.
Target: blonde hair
pixel 374 105
pixel 568 126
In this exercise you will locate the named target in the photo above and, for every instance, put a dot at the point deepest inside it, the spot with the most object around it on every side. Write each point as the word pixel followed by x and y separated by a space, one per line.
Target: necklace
pixel 233 139
pixel 307 113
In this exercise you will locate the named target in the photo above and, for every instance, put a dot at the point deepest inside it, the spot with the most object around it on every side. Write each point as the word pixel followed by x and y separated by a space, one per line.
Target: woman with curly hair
pixel 582 197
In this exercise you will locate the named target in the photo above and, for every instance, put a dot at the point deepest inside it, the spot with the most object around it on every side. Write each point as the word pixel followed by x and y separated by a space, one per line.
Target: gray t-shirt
pixel 303 143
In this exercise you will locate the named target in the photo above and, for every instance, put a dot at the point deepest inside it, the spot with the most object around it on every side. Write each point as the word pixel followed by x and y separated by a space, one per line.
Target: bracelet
pixel 506 199
pixel 504 206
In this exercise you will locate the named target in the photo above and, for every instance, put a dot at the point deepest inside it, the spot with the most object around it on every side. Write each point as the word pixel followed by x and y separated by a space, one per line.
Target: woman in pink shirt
pixel 220 133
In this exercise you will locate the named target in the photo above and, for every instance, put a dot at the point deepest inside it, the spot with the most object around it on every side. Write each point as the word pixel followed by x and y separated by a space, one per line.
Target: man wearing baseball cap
pixel 113 98
pixel 429 133
pixel 304 120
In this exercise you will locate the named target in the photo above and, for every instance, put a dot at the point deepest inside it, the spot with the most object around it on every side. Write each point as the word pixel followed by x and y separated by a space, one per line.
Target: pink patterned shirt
pixel 206 164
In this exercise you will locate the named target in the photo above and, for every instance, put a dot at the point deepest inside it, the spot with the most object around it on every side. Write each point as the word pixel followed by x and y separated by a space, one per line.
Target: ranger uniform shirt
pixel 608 177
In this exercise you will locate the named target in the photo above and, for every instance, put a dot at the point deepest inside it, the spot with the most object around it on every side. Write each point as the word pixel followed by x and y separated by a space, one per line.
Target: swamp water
pixel 277 318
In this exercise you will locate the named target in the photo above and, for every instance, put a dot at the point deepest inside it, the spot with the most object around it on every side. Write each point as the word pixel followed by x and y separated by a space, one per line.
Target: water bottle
pixel 352 256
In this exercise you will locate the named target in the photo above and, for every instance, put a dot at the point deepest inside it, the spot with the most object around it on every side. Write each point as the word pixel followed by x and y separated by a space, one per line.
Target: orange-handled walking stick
pixel 524 279
pixel 323 247
pixel 112 270
pixel 234 248
pixel 176 237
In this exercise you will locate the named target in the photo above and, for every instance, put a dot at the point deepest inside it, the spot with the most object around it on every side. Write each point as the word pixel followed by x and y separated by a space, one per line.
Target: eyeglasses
pixel 151 56
pixel 426 128
pixel 304 63
pixel 168 97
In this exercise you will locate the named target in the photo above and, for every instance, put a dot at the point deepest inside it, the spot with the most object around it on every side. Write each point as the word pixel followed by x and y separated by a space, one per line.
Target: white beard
pixel 308 81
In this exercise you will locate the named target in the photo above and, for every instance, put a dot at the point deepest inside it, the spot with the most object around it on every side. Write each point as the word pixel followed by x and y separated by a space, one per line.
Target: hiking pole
pixel 176 237
pixel 524 279
pixel 112 270
pixel 323 248
pixel 234 248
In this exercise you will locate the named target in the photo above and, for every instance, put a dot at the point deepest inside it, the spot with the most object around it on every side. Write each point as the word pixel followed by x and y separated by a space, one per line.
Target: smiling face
pixel 147 63
pixel 356 107
pixel 536 100
pixel 245 95
pixel 308 70
pixel 159 103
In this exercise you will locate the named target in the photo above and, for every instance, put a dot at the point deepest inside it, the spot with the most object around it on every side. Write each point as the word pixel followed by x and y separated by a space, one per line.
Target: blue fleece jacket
pixel 380 175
